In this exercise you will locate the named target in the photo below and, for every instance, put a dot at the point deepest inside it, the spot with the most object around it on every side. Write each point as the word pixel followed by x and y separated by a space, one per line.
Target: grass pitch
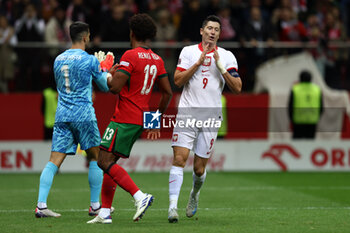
pixel 229 202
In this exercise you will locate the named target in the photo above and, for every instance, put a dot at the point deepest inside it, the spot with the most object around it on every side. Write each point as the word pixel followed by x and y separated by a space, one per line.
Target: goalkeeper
pixel 75 120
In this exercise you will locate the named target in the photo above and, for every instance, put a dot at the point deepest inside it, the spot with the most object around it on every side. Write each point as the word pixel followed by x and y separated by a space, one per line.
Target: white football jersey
pixel 204 89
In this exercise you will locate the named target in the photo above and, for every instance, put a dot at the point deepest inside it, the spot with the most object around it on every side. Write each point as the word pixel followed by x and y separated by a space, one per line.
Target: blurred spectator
pixel 345 9
pixel 29 28
pixel 57 30
pixel 313 28
pixel 289 27
pixel 165 29
pixel 229 25
pixel 298 5
pixel 175 8
pixel 13 9
pixel 270 6
pixel 115 27
pixel 76 11
pixel 315 34
pixel 255 3
pixel 166 32
pixel 213 7
pixel 154 6
pixel 192 18
pixel 94 16
pixel 256 30
pixel 276 14
pixel 334 31
pixel 48 9
pixel 131 7
pixel 237 8
pixel 7 55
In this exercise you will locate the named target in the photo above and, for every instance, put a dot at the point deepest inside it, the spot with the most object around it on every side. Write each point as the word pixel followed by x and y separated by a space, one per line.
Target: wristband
pixel 220 67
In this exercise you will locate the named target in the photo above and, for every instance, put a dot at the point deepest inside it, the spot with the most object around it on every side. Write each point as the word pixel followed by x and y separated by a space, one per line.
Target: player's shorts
pixel 67 135
pixel 119 138
pixel 199 140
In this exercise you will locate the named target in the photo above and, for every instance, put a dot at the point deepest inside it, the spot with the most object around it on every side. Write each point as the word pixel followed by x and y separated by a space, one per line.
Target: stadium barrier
pixel 248 116
pixel 228 155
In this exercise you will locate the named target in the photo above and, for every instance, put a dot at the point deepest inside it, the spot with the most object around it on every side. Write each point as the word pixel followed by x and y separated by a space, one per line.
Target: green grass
pixel 229 202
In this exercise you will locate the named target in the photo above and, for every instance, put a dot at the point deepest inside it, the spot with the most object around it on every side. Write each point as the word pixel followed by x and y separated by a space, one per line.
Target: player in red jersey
pixel 138 70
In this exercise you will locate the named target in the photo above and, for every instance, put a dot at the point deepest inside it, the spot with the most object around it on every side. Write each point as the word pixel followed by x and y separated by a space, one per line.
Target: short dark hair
pixel 77 30
pixel 305 76
pixel 143 27
pixel 212 18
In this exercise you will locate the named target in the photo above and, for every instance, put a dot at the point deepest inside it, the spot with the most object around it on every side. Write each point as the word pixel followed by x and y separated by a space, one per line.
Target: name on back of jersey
pixel 148 56
pixel 69 57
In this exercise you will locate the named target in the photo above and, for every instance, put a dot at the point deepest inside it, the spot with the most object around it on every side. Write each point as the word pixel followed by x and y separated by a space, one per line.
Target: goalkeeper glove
pixel 107 63
pixel 100 56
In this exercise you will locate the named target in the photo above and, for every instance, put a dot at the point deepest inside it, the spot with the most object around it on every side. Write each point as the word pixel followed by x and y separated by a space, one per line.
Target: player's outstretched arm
pixel 117 81
pixel 182 77
pixel 232 78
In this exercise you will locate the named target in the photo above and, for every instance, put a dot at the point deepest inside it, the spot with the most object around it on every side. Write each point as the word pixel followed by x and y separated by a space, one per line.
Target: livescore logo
pixel 10 159
pixel 319 157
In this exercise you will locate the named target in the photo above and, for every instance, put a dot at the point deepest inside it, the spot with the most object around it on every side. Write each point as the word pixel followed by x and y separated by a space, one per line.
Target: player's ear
pixel 201 31
pixel 85 39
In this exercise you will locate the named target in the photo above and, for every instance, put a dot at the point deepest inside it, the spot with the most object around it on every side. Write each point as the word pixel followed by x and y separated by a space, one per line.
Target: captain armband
pixel 234 73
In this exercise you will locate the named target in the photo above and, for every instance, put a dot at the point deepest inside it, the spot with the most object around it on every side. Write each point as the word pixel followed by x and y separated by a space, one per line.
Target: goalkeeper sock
pixel 95 181
pixel 46 179
pixel 122 178
pixel 175 182
pixel 108 191
pixel 198 182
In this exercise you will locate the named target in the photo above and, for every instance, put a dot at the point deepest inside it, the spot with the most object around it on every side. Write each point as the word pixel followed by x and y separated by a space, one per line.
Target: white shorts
pixel 199 140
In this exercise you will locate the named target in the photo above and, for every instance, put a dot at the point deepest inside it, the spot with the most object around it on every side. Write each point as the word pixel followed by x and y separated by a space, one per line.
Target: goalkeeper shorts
pixel 67 135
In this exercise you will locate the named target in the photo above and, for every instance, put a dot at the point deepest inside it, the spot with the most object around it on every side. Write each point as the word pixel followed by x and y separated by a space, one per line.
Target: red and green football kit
pixel 143 67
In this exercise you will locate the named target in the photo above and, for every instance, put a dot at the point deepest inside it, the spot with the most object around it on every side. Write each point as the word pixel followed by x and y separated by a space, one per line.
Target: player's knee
pixel 102 163
pixel 199 171
pixel 179 161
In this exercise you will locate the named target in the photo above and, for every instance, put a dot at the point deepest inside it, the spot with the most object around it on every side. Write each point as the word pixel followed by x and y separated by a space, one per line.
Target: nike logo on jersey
pixel 204 71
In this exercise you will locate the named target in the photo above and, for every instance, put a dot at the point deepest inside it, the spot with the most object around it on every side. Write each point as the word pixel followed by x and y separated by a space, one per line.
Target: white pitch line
pixel 206 209
pixel 222 188
pixel 124 210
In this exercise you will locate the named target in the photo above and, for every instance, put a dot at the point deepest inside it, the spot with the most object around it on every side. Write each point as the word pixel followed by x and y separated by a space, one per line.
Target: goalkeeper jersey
pixel 143 67
pixel 74 71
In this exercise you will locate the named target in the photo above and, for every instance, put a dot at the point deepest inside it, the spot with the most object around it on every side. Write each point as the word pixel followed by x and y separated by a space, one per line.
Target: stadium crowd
pixel 247 22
